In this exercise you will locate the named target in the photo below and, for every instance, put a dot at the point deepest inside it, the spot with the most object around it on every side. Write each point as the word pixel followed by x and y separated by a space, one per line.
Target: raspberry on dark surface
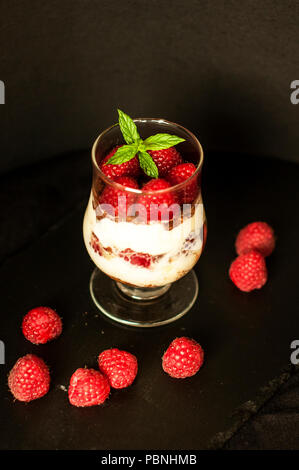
pixel 29 379
pixel 249 271
pixel 41 324
pixel 257 236
pixel 183 358
pixel 119 366
pixel 88 387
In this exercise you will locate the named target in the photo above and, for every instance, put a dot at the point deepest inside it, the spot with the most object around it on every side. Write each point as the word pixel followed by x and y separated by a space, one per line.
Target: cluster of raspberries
pixel 29 379
pixel 253 243
pixel 172 171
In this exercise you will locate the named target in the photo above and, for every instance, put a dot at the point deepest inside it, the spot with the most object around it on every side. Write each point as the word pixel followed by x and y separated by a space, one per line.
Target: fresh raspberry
pixel 256 236
pixel 119 366
pixel 183 358
pixel 41 324
pixel 130 168
pixel 156 205
pixel 29 378
pixel 88 387
pixel 111 196
pixel 181 173
pixel 248 271
pixel 165 159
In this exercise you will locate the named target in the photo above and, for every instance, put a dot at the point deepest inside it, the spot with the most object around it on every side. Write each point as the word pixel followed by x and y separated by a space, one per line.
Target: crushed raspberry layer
pixel 95 244
pixel 136 258
pixel 98 247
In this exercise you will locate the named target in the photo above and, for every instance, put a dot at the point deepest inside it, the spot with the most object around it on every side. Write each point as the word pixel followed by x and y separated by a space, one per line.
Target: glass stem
pixel 142 293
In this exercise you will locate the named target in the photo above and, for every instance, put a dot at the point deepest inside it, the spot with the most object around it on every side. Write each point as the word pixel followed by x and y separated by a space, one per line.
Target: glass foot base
pixel 143 307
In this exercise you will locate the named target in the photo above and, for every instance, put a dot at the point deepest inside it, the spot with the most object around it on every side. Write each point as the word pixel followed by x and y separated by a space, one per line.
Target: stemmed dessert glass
pixel 143 275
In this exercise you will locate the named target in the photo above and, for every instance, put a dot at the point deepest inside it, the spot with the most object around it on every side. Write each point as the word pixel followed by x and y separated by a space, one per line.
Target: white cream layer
pixel 153 239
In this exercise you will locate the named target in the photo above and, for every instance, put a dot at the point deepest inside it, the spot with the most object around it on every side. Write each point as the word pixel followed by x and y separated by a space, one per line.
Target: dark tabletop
pixel 247 393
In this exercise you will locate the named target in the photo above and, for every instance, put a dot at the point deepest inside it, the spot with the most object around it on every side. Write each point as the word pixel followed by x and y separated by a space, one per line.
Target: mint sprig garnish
pixel 135 145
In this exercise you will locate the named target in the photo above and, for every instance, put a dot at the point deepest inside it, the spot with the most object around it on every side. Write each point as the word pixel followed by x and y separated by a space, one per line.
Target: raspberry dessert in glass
pixel 144 226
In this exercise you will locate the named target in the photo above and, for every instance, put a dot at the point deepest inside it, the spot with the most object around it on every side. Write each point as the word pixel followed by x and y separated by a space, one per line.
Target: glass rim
pixel 140 191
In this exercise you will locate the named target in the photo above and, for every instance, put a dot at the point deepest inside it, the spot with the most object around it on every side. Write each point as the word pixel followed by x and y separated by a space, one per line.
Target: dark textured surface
pixel 221 68
pixel 246 337
pixel 276 426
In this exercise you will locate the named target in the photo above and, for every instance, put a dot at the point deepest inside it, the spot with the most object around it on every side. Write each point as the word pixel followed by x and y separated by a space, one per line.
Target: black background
pixel 221 68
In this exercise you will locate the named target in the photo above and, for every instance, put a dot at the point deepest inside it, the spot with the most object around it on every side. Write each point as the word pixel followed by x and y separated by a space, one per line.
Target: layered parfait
pixel 145 223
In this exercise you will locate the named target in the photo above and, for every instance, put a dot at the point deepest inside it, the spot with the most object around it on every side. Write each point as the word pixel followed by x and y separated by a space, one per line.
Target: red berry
pixel 181 173
pixel 183 358
pixel 165 159
pixel 156 205
pixel 119 366
pixel 130 168
pixel 29 378
pixel 41 324
pixel 111 196
pixel 88 387
pixel 256 236
pixel 248 271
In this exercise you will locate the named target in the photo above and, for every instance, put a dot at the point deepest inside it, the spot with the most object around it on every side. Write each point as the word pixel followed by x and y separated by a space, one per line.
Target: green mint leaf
pixel 141 147
pixel 123 154
pixel 148 165
pixel 128 128
pixel 161 141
